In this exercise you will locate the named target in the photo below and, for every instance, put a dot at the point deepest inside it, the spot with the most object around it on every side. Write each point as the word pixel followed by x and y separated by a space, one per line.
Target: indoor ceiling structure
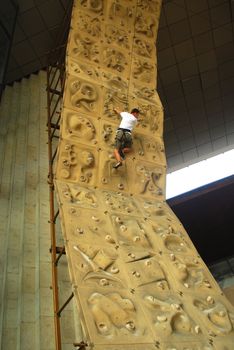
pixel 196 78
pixel 195 50
pixel 38 25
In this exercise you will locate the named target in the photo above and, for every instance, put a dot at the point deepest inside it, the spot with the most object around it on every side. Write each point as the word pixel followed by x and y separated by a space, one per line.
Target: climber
pixel 123 139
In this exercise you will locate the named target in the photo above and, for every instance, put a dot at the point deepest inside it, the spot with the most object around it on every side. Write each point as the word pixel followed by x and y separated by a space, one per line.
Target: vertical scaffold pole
pixel 52 216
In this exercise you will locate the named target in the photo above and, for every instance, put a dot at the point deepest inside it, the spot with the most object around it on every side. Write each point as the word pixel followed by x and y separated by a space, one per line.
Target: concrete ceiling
pixel 195 69
pixel 196 78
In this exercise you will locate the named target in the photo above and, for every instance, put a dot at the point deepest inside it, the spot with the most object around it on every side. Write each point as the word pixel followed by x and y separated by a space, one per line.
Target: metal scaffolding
pixel 55 85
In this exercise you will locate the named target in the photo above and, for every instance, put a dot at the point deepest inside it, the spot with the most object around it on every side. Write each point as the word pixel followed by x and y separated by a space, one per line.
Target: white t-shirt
pixel 128 121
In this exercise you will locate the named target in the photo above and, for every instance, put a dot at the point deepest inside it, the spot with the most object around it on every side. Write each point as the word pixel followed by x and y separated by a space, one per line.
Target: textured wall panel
pixel 138 280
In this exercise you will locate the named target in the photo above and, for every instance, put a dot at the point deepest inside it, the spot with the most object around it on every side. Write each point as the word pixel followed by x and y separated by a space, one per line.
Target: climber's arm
pixel 117 110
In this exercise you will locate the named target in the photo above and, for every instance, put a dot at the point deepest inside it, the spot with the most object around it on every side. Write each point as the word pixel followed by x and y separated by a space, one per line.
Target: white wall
pixel 26 306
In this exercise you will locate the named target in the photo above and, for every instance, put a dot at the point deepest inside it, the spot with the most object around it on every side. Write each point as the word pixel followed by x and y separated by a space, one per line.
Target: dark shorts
pixel 123 139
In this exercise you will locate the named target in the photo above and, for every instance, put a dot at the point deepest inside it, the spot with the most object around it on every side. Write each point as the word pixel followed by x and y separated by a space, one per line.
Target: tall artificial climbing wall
pixel 137 278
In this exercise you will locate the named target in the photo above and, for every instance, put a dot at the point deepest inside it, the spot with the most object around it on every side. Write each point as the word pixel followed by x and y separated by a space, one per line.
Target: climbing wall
pixel 137 278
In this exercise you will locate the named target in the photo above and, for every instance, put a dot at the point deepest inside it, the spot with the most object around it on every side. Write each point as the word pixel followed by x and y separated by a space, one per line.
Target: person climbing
pixel 123 139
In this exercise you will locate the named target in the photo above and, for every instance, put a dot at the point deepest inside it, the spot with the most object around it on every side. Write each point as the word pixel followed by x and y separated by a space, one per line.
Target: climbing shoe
pixel 117 165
